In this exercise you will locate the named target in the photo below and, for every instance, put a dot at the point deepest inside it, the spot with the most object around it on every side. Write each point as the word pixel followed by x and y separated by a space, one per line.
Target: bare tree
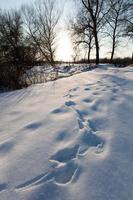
pixel 41 20
pixel 95 13
pixel 82 35
pixel 129 30
pixel 129 20
pixel 115 21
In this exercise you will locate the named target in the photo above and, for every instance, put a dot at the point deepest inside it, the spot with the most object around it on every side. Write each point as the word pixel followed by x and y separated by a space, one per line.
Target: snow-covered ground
pixel 71 139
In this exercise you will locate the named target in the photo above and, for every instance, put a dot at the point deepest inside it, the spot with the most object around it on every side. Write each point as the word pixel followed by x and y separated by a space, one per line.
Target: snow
pixel 71 139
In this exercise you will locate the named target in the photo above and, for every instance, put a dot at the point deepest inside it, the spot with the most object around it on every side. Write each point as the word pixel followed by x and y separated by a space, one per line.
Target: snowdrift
pixel 71 139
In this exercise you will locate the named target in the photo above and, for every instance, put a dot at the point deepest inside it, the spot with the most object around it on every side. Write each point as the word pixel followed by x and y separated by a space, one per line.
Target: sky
pixel 13 3
pixel 64 44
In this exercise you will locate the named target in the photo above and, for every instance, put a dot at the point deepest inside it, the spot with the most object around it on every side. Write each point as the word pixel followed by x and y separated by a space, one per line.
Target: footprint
pixel 87 100
pixel 6 146
pixel 33 126
pixel 70 103
pixel 66 174
pixel 63 174
pixel 99 82
pixel 60 110
pixel 96 93
pixel 87 89
pixel 87 140
pixel 3 186
pixel 92 125
pixel 98 123
pixel 61 136
pixel 115 90
pixel 97 105
pixel 65 155
pixel 94 107
pixel 104 90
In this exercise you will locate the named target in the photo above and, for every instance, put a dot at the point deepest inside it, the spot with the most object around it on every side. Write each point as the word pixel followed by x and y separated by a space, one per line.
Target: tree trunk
pixel 97 49
pixel 96 44
pixel 112 53
pixel 113 48
pixel 114 39
pixel 89 51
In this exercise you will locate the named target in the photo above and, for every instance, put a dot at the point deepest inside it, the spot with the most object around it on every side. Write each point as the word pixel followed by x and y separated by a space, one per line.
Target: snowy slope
pixel 69 140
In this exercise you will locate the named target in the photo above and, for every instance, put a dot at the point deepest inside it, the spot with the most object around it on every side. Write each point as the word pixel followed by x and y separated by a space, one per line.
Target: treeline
pixel 28 36
pixel 118 62
pixel 101 19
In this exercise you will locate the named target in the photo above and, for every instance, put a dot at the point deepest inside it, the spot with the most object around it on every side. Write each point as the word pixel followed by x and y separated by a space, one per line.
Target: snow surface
pixel 71 139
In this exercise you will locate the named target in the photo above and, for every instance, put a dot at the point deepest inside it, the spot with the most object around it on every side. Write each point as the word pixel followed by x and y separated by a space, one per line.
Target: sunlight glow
pixel 64 49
